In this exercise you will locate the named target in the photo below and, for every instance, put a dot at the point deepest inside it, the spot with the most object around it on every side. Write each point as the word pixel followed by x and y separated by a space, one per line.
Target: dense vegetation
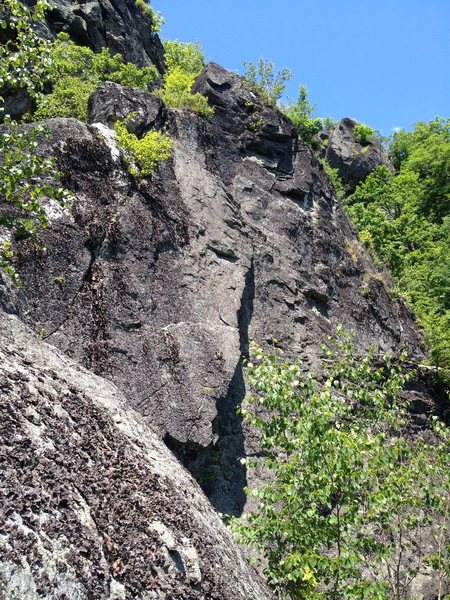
pixel 354 507
pixel 24 61
pixel 403 218
pixel 75 71
pixel 142 155
pixel 184 61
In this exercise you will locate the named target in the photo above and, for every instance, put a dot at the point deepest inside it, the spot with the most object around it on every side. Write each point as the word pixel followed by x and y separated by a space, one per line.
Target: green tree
pixel 75 71
pixel 29 182
pixel 188 57
pixel 355 506
pixel 300 114
pixel 403 218
pixel 25 56
pixel 266 81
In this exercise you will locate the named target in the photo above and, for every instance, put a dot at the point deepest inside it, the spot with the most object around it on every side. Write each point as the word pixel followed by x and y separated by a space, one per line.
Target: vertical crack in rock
pixel 217 468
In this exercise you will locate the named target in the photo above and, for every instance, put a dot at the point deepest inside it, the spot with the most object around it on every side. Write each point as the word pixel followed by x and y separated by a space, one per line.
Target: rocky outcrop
pixel 158 285
pixel 119 25
pixel 113 102
pixel 353 160
pixel 92 504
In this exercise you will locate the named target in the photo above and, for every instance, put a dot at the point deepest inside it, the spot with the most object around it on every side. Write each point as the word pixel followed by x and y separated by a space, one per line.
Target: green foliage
pixel 363 134
pixel 156 17
pixel 265 81
pixel 404 220
pixel 186 56
pixel 177 93
pixel 336 180
pixel 28 182
pixel 426 151
pixel 354 506
pixel 76 71
pixel 143 155
pixel 184 62
pixel 24 57
pixel 328 123
pixel 300 114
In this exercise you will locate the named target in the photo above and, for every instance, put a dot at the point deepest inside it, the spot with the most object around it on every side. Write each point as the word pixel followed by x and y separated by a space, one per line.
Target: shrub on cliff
pixel 27 181
pixel 300 114
pixel 156 17
pixel 184 62
pixel 355 507
pixel 74 73
pixel 363 134
pixel 142 155
pixel 267 82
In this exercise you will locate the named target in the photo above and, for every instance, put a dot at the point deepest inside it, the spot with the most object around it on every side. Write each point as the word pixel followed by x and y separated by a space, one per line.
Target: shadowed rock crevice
pixel 217 468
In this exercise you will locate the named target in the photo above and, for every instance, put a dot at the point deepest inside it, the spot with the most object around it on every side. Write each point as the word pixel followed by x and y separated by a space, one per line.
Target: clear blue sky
pixel 383 62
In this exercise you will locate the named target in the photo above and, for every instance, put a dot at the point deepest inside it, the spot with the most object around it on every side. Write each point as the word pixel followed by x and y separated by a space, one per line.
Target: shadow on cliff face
pixel 217 468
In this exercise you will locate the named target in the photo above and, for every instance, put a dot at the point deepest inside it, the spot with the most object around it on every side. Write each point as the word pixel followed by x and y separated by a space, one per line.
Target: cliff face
pixel 158 286
pixel 118 25
pixel 92 504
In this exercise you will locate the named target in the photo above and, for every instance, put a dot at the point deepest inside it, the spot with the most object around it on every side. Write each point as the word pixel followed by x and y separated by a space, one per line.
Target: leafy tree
pixel 363 134
pixel 355 506
pixel 28 182
pixel 403 218
pixel 188 57
pixel 328 123
pixel 25 56
pixel 184 62
pixel 300 114
pixel 267 82
pixel 75 72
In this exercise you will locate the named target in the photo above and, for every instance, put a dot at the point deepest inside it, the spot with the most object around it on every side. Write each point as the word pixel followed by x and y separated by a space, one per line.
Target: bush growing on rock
pixel 75 71
pixel 186 56
pixel 363 134
pixel 156 17
pixel 356 507
pixel 300 114
pixel 267 82
pixel 143 155
pixel 184 62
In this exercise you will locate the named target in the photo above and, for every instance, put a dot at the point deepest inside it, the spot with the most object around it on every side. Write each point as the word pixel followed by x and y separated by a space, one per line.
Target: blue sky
pixel 383 62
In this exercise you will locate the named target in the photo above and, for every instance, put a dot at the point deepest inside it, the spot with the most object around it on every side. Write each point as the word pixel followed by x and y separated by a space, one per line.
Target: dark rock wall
pixel 160 285
pixel 353 160
pixel 118 25
pixel 92 504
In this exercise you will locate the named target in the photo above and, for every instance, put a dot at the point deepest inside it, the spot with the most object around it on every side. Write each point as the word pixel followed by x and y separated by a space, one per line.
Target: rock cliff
pixel 157 286
pixel 92 504
pixel 353 160
pixel 119 25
